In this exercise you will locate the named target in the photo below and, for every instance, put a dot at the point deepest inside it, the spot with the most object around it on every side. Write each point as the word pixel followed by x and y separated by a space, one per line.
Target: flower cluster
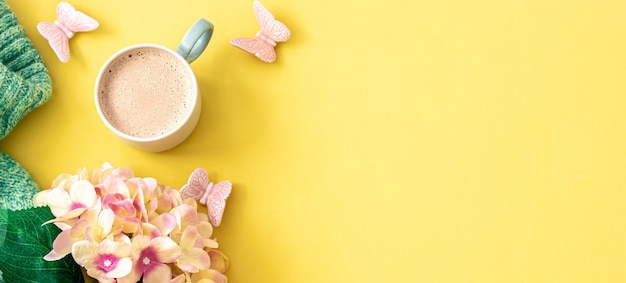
pixel 126 229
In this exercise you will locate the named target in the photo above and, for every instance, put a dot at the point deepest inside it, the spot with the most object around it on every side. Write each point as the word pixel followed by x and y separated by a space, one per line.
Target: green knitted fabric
pixel 24 85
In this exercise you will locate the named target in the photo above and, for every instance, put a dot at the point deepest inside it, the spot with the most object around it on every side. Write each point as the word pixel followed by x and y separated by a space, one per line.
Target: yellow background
pixel 392 141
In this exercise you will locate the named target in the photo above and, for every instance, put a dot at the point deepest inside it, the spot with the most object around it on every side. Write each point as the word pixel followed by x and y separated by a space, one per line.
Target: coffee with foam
pixel 145 93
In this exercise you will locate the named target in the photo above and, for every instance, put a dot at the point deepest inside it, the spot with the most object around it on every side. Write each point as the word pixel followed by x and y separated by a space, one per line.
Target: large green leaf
pixel 24 242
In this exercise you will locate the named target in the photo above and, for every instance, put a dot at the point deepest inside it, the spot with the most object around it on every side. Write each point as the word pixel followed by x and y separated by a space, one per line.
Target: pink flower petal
pixel 62 244
pixel 151 184
pixel 63 225
pixel 219 261
pixel 124 173
pixel 150 230
pixel 163 203
pixel 186 216
pixel 123 207
pixel 109 198
pixel 115 185
pixel 128 224
pixel 218 277
pixel 165 222
pixel 140 206
pixel 194 260
pixel 137 187
pixel 52 256
pixel 175 194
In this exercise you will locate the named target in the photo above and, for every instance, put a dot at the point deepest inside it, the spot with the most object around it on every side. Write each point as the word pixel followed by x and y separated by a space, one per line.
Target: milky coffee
pixel 145 93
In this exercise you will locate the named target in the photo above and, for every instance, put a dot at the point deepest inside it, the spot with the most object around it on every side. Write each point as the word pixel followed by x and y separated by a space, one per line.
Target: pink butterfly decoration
pixel 68 23
pixel 212 195
pixel 271 32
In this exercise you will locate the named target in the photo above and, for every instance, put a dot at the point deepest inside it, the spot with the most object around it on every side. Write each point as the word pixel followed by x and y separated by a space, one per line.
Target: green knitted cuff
pixel 24 80
pixel 17 187
pixel 24 85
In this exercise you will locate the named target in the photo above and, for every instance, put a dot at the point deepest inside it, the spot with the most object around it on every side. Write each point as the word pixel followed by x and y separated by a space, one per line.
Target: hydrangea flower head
pixel 122 228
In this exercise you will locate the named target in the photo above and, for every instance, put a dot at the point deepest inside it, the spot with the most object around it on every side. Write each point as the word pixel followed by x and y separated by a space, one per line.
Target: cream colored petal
pixel 188 240
pixel 106 217
pixel 210 243
pixel 119 249
pixel 83 192
pixel 178 279
pixel 41 198
pixel 203 217
pixel 123 268
pixel 138 244
pixel 84 252
pixel 205 228
pixel 132 277
pixel 67 216
pixel 99 275
pixel 161 273
pixel 83 174
pixel 166 249
pixel 210 275
pixel 63 180
pixel 59 201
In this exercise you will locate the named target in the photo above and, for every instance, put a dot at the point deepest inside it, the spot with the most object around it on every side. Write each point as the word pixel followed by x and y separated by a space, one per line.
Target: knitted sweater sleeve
pixel 24 85
pixel 24 81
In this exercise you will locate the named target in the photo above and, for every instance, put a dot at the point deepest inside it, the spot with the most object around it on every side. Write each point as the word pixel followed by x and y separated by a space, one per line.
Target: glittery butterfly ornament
pixel 212 195
pixel 271 32
pixel 69 21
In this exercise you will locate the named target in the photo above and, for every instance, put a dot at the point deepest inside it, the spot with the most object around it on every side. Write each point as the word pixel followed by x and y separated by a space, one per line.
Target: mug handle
pixel 195 40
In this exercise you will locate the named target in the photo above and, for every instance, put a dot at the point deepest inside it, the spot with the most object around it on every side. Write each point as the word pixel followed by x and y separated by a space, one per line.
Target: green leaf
pixel 24 242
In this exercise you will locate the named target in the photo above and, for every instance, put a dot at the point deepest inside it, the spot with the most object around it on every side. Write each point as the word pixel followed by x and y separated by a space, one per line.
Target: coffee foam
pixel 145 93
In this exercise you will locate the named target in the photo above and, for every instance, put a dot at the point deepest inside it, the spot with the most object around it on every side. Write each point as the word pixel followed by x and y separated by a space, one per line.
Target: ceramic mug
pixel 147 94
